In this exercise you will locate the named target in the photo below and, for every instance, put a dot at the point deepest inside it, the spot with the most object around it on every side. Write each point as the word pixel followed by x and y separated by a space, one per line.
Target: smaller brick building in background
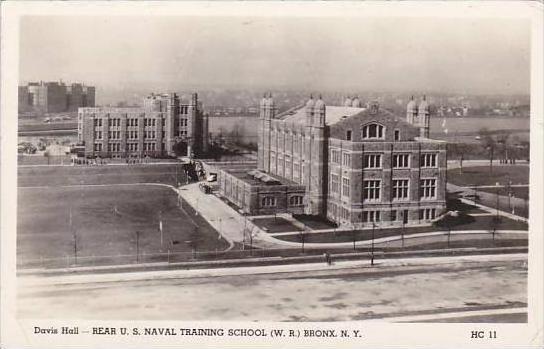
pixel 163 123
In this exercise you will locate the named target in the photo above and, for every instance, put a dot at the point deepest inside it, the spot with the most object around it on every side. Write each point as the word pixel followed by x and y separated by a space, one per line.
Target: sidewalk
pixel 489 199
pixel 29 281
pixel 228 222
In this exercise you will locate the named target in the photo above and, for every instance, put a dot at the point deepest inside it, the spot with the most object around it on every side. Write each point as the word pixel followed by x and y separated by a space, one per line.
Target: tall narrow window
pixel 428 188
pixel 371 190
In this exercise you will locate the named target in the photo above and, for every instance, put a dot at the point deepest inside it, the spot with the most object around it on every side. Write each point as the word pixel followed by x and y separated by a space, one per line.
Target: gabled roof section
pixel 333 114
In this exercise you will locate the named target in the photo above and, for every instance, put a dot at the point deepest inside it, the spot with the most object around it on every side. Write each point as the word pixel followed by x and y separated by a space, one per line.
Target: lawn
pixel 275 225
pixel 74 175
pixel 105 221
pixel 518 192
pixel 480 175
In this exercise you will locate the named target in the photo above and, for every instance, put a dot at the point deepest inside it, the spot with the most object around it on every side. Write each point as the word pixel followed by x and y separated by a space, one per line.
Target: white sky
pixel 391 54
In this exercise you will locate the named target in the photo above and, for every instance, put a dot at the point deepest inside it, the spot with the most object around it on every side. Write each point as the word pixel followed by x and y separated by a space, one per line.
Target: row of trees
pixel 493 145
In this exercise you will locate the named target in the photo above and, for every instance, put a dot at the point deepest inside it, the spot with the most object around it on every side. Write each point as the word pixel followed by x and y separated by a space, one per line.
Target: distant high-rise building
pixel 55 97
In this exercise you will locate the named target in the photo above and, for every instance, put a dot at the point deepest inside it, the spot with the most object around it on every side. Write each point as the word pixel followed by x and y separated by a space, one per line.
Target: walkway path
pixel 231 225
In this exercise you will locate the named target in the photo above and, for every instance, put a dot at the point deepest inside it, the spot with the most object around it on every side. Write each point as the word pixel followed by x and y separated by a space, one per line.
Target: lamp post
pixel 137 247
pixel 372 248
pixel 302 238
pixel 497 196
pixel 402 231
pixel 509 195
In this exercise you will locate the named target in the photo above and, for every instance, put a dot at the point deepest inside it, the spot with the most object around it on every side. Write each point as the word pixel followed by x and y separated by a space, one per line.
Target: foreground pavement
pixel 478 287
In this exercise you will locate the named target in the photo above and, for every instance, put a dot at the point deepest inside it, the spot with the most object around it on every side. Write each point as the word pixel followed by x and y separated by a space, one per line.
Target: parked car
pixel 212 177
pixel 206 189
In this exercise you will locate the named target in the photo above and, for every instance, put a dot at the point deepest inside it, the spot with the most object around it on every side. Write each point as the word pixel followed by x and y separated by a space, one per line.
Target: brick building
pixel 55 97
pixel 163 126
pixel 356 165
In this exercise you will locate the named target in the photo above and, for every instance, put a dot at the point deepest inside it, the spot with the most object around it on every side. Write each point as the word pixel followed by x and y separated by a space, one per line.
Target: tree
pixel 489 143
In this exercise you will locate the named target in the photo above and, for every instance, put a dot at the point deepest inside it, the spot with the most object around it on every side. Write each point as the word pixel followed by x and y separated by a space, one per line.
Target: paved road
pixel 477 285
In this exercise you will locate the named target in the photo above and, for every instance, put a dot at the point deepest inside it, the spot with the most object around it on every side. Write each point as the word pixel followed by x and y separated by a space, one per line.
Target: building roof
pixel 256 177
pixel 333 114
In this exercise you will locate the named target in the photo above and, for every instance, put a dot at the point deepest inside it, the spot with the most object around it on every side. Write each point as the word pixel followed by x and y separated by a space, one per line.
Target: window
pixel 400 189
pixel 348 135
pixel 373 131
pixel 346 159
pixel 287 166
pixel 394 216
pixel 98 134
pixel 344 213
pixel 371 216
pixel 345 187
pixel 397 135
pixel 372 161
pixel 98 147
pixel 295 200
pixel 427 188
pixel 428 160
pixel 334 184
pixel 268 201
pixel 401 160
pixel 371 190
pixel 427 214
pixel 335 156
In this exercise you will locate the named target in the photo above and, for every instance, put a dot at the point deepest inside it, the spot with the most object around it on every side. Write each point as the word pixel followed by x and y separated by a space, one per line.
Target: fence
pixel 273 255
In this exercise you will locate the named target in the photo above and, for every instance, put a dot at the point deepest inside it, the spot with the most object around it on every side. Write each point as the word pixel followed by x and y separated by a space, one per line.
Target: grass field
pixel 480 175
pixel 108 207
pixel 106 220
pixel 74 175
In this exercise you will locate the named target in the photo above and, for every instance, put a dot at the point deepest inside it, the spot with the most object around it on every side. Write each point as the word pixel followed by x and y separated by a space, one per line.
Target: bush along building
pixel 357 166
pixel 164 126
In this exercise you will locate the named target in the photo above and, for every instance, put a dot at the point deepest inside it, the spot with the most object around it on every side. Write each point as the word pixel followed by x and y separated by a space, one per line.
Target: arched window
pixel 373 131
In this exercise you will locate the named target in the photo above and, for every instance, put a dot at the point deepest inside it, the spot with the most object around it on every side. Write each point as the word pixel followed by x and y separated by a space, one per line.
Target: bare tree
pixel 489 143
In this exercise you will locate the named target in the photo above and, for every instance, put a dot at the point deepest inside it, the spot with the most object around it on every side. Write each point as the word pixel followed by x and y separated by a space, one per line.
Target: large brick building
pixel 356 166
pixel 55 97
pixel 163 126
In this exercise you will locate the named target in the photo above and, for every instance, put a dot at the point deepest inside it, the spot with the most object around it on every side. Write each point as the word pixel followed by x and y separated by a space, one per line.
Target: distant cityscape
pixel 39 98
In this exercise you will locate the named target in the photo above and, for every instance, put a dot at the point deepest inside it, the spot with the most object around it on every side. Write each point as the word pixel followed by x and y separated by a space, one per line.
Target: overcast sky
pixel 393 54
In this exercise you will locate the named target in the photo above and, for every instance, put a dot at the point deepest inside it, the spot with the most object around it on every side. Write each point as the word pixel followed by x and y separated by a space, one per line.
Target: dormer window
pixel 348 135
pixel 373 131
